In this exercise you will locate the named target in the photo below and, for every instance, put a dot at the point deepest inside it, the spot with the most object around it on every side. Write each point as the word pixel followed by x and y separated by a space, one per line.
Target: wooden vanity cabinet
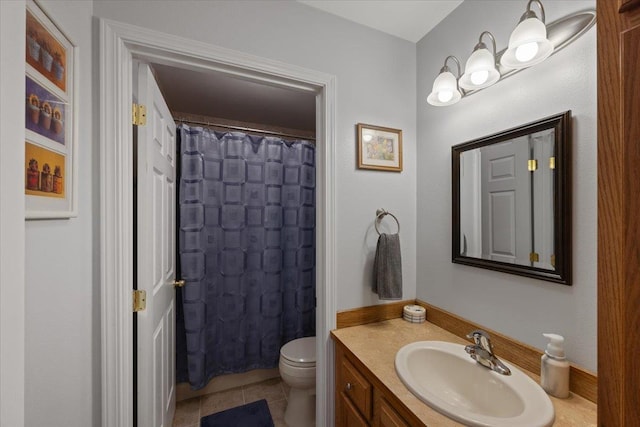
pixel 361 400
pixel 348 415
pixel 387 416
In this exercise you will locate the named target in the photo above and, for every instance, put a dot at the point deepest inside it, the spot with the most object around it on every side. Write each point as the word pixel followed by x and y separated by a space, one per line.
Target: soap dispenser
pixel 554 368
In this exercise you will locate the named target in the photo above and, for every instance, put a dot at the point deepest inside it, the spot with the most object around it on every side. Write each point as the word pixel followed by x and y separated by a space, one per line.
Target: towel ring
pixel 381 213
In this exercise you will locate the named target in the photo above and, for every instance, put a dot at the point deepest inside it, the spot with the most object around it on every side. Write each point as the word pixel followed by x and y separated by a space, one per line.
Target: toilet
pixel 298 370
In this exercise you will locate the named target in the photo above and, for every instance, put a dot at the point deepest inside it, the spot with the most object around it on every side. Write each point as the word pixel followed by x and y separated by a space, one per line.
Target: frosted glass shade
pixel 445 90
pixel 528 45
pixel 480 70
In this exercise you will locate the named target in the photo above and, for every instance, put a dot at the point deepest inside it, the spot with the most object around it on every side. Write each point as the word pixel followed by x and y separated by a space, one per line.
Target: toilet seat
pixel 300 352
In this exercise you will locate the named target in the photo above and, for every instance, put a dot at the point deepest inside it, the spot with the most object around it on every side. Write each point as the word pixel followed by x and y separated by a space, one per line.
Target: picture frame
pixel 379 148
pixel 51 125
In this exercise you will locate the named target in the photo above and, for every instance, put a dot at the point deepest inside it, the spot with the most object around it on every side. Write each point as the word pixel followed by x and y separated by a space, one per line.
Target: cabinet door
pixel 349 415
pixel 356 388
pixel 618 205
pixel 389 417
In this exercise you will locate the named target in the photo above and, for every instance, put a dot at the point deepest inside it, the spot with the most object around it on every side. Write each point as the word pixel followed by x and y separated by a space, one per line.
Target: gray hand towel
pixel 387 267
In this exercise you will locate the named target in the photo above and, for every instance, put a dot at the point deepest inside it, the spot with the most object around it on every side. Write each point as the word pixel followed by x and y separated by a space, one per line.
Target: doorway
pixel 252 306
pixel 120 44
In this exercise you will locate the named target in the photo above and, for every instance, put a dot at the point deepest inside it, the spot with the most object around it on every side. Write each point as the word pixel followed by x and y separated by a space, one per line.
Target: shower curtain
pixel 246 249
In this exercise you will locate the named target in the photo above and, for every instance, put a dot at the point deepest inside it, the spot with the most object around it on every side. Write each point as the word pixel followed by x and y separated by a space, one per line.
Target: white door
pixel 506 202
pixel 156 172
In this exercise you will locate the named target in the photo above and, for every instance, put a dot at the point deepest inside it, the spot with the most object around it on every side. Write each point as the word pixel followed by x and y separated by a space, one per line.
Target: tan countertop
pixel 376 345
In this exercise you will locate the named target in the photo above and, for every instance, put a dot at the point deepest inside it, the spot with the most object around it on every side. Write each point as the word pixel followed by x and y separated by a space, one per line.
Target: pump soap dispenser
pixel 554 368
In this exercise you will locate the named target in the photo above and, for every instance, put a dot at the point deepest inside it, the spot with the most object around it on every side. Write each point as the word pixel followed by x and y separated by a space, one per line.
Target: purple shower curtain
pixel 246 249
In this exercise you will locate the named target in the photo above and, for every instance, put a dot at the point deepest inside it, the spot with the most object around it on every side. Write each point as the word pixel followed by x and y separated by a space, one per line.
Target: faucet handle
pixel 476 334
pixel 482 339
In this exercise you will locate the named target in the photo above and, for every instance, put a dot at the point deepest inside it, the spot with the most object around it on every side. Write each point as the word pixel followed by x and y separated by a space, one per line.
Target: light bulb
pixel 479 77
pixel 445 89
pixel 445 95
pixel 526 51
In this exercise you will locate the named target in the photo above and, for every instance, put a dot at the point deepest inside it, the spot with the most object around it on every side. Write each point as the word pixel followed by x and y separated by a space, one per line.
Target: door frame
pixel 119 45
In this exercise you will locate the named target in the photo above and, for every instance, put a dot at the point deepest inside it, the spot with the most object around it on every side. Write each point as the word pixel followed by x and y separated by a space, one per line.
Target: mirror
pixel 511 200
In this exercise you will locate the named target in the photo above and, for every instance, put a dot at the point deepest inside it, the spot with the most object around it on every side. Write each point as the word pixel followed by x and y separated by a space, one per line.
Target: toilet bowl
pixel 298 370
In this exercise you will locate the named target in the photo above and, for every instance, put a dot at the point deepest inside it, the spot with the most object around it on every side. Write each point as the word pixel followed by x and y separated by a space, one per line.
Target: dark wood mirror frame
pixel 561 123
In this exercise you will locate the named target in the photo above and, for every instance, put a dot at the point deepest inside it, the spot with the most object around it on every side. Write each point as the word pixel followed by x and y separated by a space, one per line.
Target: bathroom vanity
pixel 361 399
pixel 369 393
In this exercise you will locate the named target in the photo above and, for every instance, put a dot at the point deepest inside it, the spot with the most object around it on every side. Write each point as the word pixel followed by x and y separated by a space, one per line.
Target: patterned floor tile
pixel 271 390
pixel 187 413
pixel 277 409
pixel 286 388
pixel 220 401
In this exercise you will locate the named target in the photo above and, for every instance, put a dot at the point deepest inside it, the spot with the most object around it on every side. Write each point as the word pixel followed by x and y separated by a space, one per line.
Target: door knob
pixel 178 283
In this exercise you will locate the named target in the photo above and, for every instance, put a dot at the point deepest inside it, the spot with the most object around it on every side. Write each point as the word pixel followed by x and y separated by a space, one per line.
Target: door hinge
pixel 552 162
pixel 139 301
pixel 532 165
pixel 534 257
pixel 553 260
pixel 139 115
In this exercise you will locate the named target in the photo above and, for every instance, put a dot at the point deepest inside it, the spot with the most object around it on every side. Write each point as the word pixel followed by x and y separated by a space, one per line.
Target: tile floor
pixel 189 412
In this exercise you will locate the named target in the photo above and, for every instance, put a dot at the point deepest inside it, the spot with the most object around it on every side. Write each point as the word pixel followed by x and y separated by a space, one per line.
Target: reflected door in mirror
pixel 511 202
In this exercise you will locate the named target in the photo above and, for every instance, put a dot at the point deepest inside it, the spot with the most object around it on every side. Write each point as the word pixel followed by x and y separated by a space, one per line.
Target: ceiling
pixel 220 96
pixel 407 19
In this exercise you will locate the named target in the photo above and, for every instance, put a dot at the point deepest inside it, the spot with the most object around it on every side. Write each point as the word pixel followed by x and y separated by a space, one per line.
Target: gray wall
pixel 62 363
pixel 376 84
pixel 522 308
pixel 376 78
pixel 12 211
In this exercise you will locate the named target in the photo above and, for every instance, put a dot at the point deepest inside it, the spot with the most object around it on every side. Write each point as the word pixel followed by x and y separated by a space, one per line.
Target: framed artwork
pixel 50 119
pixel 379 148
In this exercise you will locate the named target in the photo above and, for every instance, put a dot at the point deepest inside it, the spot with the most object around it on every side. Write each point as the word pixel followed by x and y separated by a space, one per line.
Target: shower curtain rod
pixel 243 128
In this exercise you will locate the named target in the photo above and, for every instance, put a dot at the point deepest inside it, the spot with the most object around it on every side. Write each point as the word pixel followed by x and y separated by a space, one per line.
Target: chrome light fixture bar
pixel 559 33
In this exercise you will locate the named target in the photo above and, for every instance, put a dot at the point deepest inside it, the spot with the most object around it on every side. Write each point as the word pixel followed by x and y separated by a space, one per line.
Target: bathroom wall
pixel 519 307
pixel 375 84
pixel 62 337
pixel 12 255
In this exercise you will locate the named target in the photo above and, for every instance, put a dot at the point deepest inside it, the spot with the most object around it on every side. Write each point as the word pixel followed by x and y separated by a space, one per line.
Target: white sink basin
pixel 442 375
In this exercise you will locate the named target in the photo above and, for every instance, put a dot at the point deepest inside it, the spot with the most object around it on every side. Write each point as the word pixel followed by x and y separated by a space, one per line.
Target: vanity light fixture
pixel 481 70
pixel 445 87
pixel 528 44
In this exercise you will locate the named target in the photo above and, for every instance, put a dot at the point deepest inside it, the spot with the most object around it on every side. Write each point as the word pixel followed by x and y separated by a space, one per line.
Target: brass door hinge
pixel 552 162
pixel 139 301
pixel 534 257
pixel 553 260
pixel 179 283
pixel 532 165
pixel 139 115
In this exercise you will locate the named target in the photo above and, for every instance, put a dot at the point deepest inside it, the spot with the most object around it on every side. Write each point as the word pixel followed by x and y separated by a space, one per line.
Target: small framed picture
pixel 51 161
pixel 379 148
pixel 46 50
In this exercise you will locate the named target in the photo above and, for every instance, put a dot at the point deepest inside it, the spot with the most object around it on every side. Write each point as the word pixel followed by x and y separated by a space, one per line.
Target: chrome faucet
pixel 482 352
